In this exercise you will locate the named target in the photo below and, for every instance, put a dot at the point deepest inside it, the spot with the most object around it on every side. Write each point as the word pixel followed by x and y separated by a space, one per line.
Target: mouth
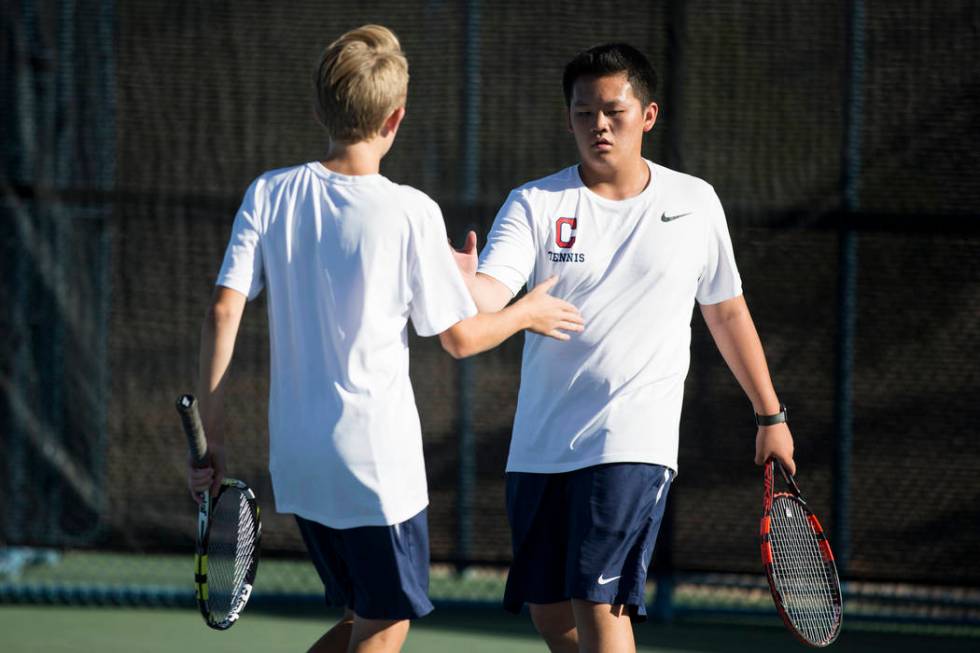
pixel 601 144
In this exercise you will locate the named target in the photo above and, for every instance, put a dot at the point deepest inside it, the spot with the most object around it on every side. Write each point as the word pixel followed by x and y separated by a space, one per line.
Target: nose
pixel 601 123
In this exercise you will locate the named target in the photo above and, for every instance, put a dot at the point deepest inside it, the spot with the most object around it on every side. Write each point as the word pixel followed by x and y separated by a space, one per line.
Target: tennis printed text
pixel 566 257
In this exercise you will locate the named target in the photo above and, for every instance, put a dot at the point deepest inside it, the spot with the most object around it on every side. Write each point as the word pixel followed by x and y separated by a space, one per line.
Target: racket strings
pixel 231 550
pixel 807 585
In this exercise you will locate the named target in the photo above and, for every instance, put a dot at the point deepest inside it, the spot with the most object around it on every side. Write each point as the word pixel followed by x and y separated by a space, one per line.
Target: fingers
pixel 547 284
pixel 470 244
pixel 775 442
pixel 558 327
pixel 199 480
pixel 561 329
pixel 558 335
pixel 572 316
pixel 219 476
pixel 551 316
pixel 786 461
pixel 788 464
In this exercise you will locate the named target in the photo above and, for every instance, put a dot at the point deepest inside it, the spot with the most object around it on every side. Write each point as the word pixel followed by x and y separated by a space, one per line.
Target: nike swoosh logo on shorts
pixel 604 581
pixel 668 218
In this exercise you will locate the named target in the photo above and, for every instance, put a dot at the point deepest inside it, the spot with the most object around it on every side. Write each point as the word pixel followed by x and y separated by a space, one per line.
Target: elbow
pixel 219 313
pixel 452 349
pixel 217 320
pixel 455 344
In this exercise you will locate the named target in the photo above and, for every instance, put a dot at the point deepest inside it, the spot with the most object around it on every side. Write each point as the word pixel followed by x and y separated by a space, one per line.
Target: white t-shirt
pixel 633 268
pixel 347 261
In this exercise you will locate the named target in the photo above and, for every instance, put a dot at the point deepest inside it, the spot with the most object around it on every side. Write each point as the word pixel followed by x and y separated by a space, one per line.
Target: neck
pixel 361 158
pixel 616 183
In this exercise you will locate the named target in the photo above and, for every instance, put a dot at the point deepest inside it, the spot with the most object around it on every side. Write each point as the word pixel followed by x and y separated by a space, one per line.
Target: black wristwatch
pixel 770 420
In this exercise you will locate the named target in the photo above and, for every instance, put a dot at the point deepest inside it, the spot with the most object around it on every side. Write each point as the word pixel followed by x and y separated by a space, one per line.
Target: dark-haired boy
pixel 594 445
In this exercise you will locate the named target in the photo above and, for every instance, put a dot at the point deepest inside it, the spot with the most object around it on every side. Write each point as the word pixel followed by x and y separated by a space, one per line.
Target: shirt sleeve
pixel 440 298
pixel 241 269
pixel 719 277
pixel 510 252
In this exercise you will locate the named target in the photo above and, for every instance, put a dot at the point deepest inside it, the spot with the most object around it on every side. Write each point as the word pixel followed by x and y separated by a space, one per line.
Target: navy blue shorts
pixel 379 572
pixel 586 534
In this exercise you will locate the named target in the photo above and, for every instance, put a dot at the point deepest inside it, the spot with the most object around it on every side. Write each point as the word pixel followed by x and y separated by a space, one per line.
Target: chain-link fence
pixel 840 136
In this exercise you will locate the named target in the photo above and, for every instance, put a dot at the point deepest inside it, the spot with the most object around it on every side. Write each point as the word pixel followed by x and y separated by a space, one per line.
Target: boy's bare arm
pixel 537 311
pixel 218 334
pixel 738 341
pixel 488 294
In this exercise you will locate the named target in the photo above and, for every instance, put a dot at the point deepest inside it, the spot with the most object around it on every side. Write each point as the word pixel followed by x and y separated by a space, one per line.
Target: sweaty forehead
pixel 589 89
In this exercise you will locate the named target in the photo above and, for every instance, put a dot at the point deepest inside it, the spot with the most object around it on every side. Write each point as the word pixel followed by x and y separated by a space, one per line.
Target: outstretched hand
pixel 550 316
pixel 466 258
pixel 775 441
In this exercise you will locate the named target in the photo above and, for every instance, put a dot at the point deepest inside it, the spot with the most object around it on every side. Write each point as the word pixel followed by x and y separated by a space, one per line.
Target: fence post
pixel 663 564
pixel 469 183
pixel 847 282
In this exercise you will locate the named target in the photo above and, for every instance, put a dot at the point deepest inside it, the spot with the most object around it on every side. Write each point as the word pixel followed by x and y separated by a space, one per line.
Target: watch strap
pixel 771 420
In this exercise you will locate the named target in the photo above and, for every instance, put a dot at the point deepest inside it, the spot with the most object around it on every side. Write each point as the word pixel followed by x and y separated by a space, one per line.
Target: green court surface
pixel 55 629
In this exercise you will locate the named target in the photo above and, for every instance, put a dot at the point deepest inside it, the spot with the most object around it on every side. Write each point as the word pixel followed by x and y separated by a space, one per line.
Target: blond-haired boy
pixel 348 257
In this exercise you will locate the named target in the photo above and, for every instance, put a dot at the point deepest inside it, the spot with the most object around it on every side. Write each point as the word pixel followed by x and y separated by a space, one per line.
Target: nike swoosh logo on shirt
pixel 604 581
pixel 668 218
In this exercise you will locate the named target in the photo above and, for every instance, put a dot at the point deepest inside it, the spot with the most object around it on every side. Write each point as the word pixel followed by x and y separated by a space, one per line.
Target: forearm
pixel 218 335
pixel 488 294
pixel 483 331
pixel 735 335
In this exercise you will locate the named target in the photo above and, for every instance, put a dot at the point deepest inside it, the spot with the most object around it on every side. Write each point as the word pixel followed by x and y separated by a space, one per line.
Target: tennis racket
pixel 228 533
pixel 799 564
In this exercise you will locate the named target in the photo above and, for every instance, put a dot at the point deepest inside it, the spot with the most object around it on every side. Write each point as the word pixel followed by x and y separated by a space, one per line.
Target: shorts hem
pixel 515 606
pixel 636 606
pixel 414 612
pixel 346 523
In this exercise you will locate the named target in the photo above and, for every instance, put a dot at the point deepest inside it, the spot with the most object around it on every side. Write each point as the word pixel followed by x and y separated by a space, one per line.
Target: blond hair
pixel 362 77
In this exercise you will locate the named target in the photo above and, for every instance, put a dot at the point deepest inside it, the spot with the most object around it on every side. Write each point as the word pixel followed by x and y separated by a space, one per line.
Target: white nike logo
pixel 604 581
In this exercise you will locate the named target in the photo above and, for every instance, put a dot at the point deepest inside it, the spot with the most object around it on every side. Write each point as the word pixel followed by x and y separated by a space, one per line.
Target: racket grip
pixel 190 418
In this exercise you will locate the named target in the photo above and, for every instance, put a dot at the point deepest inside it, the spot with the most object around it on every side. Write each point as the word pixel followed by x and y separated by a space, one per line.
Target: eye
pixel 583 113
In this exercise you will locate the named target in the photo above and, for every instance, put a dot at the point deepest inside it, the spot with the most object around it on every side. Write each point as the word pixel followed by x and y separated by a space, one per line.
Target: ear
pixel 392 122
pixel 650 114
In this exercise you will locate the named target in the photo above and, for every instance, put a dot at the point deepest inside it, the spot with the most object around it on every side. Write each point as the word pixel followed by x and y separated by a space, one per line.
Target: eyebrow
pixel 609 103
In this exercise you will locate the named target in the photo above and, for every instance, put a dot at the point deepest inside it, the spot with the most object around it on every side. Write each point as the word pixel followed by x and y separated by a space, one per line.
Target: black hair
pixel 610 59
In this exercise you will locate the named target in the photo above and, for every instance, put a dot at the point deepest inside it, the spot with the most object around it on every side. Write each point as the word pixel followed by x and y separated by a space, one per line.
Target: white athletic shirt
pixel 633 268
pixel 346 261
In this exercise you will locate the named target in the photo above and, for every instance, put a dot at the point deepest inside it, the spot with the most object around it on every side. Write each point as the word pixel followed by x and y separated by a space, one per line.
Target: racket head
pixel 799 566
pixel 227 556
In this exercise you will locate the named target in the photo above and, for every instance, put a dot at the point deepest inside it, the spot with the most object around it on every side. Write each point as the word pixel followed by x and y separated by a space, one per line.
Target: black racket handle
pixel 790 481
pixel 190 418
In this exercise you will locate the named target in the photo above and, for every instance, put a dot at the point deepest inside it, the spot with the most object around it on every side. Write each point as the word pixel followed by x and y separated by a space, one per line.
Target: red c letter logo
pixel 565 237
